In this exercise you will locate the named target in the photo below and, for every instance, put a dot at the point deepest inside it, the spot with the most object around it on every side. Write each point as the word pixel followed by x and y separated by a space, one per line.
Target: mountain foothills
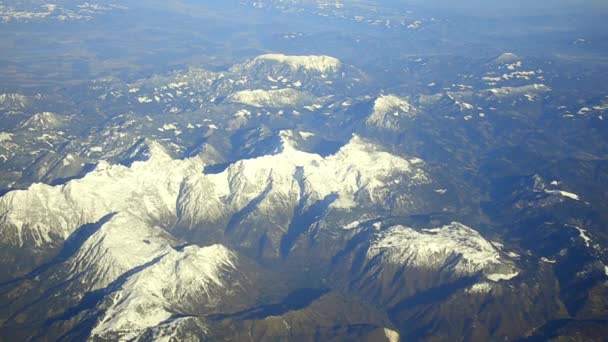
pixel 300 196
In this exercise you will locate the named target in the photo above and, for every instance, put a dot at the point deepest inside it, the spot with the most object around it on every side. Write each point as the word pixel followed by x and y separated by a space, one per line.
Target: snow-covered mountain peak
pixel 507 57
pixel 42 121
pixel 13 101
pixel 370 157
pixel 386 103
pixel 358 174
pixel 454 246
pixel 321 64
pixel 155 151
pixel 357 151
pixel 180 282
pixel 288 140
pixel 194 268
pixel 148 189
pixel 388 110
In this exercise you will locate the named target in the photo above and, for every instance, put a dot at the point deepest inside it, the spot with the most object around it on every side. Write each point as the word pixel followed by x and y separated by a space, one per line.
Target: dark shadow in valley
pixel 296 300
pixel 326 148
pixel 237 218
pixel 216 168
pixel 138 152
pixel 88 168
pixel 359 239
pixel 93 298
pixel 304 218
pixel 433 295
pixel 70 247
pixel 551 329
pixel 90 301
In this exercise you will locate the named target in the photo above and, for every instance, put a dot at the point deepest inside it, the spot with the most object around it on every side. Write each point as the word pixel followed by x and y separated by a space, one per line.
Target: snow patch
pixel 499 276
pixel 480 288
pixel 547 260
pixel 6 137
pixel 306 135
pixel 564 194
pixel 583 235
pixel 352 225
pixel 144 99
pixel 391 335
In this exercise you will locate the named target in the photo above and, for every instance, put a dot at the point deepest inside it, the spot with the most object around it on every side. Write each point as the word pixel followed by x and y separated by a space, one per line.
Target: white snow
pixel 583 235
pixel 146 189
pixel 5 139
pixel 464 106
pixel 391 335
pixel 513 255
pixel 144 99
pixel 168 127
pixel 68 160
pixel 4 136
pixel 15 101
pixel 507 57
pixel 176 85
pixel 387 103
pixel 42 121
pixel 287 97
pixel 315 63
pixel 437 247
pixel 176 281
pixel 352 225
pixel 306 135
pixel 496 277
pixel 529 90
pixel 388 106
pixel 162 189
pixel 563 194
pixel 484 287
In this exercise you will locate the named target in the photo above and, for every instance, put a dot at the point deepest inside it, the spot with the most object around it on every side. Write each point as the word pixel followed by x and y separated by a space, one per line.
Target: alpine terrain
pixel 303 171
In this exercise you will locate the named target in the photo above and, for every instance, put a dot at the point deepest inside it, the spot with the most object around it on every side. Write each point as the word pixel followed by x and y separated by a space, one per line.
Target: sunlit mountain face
pixel 303 170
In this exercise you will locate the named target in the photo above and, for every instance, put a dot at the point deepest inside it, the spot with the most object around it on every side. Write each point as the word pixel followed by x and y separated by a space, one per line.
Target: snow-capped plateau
pixel 454 247
pixel 322 64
